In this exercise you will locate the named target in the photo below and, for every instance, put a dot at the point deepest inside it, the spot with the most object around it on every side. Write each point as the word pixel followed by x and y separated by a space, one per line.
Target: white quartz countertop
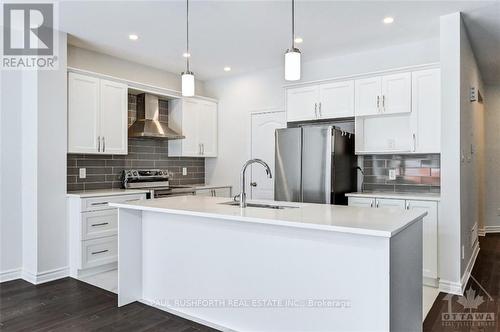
pixel 413 196
pixel 106 192
pixel 354 220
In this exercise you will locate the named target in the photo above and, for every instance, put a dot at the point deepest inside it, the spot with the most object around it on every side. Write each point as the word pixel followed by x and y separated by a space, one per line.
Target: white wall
pixel 10 177
pixel 240 95
pixel 105 64
pixel 461 168
pixel 472 147
pixel 492 153
pixel 33 224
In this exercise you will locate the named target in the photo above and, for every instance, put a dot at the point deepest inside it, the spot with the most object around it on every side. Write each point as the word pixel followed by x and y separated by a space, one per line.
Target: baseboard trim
pixel 489 229
pixel 470 266
pixel 45 276
pixel 11 274
pixel 450 287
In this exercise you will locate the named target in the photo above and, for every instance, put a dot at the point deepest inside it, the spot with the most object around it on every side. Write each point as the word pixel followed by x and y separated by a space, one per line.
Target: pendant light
pixel 187 76
pixel 292 55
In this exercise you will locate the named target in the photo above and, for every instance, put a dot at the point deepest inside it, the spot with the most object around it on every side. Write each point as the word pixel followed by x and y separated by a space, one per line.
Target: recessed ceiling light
pixel 227 68
pixel 299 40
pixel 133 37
pixel 388 20
pixel 186 55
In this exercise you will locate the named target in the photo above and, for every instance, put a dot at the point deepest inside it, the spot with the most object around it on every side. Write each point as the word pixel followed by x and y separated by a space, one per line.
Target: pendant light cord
pixel 187 36
pixel 293 25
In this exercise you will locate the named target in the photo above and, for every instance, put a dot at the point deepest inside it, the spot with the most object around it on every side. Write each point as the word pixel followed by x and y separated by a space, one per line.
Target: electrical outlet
pixel 392 174
pixel 82 173
pixel 184 171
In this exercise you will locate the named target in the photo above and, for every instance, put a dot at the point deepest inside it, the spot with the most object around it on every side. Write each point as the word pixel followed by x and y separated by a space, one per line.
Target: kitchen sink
pixel 261 205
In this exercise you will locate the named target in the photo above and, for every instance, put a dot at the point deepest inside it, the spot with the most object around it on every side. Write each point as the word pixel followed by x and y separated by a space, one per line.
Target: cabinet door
pixel 302 103
pixel 367 96
pixel 336 100
pixel 83 113
pixel 429 236
pixel 207 127
pixel 204 192
pixel 390 203
pixel 396 93
pixel 222 192
pixel 362 201
pixel 113 117
pixel 426 111
pixel 191 146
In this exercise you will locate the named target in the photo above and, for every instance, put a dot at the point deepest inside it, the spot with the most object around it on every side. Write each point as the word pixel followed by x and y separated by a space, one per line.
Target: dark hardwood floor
pixel 480 309
pixel 71 305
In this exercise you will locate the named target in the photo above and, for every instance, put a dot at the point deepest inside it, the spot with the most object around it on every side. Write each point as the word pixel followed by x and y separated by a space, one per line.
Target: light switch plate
pixel 82 174
pixel 392 174
pixel 184 171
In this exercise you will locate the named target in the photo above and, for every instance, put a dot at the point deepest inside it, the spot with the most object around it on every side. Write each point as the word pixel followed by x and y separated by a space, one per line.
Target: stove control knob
pixel 135 173
pixel 160 172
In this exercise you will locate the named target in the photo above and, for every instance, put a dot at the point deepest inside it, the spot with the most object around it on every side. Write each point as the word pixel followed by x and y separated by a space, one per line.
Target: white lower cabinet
pixel 215 192
pixel 93 231
pixel 429 228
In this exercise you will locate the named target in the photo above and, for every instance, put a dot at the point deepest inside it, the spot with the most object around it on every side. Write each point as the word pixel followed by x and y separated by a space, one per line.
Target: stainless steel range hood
pixel 148 122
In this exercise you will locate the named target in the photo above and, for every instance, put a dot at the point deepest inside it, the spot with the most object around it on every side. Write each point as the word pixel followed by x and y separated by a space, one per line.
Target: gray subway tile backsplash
pixel 414 173
pixel 104 171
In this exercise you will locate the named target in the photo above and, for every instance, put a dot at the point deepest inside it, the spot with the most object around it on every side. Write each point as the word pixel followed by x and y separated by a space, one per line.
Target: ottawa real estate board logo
pixel 29 38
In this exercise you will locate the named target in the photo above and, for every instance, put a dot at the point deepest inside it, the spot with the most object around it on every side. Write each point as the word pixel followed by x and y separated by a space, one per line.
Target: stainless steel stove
pixel 156 180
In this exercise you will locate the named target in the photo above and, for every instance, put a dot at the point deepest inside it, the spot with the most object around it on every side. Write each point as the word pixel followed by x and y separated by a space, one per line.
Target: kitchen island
pixel 299 267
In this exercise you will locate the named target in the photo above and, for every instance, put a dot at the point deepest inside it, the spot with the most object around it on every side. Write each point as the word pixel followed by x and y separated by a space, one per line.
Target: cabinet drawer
pixel 101 203
pixel 99 251
pixel 97 224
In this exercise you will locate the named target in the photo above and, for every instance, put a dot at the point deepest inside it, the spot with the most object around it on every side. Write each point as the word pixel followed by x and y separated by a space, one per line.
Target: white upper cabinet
pixel 426 115
pixel 83 113
pixel 389 94
pixel 196 119
pixel 396 94
pixel 207 129
pixel 367 92
pixel 97 115
pixel 114 124
pixel 336 100
pixel 302 103
pixel 323 101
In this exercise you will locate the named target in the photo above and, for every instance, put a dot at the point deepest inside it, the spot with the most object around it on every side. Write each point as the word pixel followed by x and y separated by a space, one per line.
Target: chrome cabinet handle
pixel 98 143
pixel 371 203
pixel 253 184
pixel 99 252
pixel 320 115
pixel 103 144
pixel 199 148
pixel 414 142
pixel 407 206
pixel 100 203
pixel 377 204
pixel 203 148
pixel 316 110
pixel 378 103
pixel 383 103
pixel 100 224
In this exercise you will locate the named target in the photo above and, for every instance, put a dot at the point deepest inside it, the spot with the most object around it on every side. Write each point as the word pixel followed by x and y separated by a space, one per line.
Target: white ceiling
pixel 251 35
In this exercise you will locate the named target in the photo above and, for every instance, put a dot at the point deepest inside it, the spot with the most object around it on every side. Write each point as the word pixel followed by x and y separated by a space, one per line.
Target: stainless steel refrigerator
pixel 314 164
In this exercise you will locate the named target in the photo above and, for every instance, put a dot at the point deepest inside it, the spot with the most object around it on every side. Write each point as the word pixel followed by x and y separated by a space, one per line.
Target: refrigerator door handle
pixel 328 165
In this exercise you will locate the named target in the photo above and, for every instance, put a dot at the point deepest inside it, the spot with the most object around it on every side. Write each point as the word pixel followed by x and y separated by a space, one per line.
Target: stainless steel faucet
pixel 243 195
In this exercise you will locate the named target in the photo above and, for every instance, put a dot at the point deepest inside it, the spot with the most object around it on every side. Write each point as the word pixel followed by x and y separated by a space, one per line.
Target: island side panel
pixel 406 279
pixel 188 258
pixel 129 256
